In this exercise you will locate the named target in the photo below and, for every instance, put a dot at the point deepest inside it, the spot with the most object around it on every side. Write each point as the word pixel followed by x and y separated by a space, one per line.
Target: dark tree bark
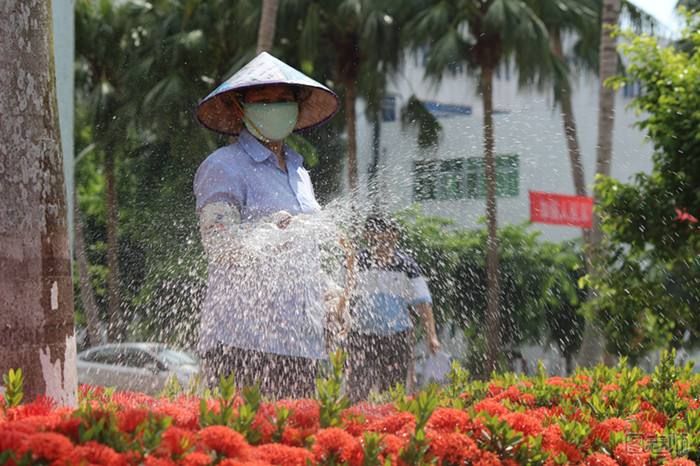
pixel 493 316
pixel 268 22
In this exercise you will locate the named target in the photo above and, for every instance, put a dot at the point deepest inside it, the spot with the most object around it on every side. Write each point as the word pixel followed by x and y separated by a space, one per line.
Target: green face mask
pixel 271 121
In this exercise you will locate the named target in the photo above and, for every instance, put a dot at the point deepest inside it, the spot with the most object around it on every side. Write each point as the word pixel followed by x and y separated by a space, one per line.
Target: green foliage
pixel 243 422
pixel 330 394
pixel 222 413
pixel 649 294
pixel 421 406
pixel 231 411
pixel 282 414
pixel 540 295
pixel 172 388
pixel 372 449
pixel 100 425
pixel 415 115
pixel 499 437
pixel 13 382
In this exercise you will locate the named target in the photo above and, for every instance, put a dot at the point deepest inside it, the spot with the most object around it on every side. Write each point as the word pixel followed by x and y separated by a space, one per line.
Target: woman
pixel 262 317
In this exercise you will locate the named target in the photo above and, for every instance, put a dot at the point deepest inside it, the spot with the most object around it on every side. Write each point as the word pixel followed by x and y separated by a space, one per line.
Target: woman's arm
pixel 225 236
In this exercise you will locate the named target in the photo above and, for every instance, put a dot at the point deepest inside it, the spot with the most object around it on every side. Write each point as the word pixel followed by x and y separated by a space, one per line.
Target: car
pixel 137 367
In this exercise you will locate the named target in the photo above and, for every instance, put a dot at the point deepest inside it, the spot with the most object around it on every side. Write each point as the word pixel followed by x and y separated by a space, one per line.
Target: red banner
pixel 559 209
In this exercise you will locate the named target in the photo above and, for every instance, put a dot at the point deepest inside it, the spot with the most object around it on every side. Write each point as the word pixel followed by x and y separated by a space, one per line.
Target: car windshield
pixel 176 358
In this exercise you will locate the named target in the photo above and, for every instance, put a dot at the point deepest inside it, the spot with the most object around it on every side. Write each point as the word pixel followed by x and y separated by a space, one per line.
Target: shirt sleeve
pixel 214 183
pixel 225 237
pixel 419 292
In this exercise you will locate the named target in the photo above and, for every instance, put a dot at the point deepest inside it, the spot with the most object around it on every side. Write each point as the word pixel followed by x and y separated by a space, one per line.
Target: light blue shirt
pixel 385 293
pixel 269 297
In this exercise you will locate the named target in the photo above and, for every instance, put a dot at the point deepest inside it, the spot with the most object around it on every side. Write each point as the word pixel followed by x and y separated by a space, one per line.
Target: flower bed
pixel 602 416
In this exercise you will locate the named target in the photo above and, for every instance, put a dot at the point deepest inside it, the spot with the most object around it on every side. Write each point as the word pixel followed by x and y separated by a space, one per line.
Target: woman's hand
pixel 282 219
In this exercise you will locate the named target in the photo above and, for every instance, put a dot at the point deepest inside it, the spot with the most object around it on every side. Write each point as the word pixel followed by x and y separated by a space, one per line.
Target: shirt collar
pixel 258 152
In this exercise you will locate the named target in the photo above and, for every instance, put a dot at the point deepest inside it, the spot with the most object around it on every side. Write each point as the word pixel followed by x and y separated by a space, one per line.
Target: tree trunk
pixel 36 292
pixel 567 111
pixel 374 166
pixel 87 295
pixel 493 317
pixel 116 326
pixel 563 90
pixel 593 339
pixel 350 124
pixel 268 21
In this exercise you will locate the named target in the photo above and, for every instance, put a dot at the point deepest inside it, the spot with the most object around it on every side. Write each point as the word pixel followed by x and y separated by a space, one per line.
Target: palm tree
pixel 352 31
pixel 482 34
pixel 575 18
pixel 36 302
pixel 592 347
pixel 268 20
pixel 103 50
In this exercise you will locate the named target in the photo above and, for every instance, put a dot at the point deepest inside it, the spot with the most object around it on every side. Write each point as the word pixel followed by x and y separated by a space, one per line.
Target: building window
pixel 444 180
pixel 507 176
pixel 632 90
pixel 389 108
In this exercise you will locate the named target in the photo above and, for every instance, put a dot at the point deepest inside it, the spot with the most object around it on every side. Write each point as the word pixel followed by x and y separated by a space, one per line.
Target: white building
pixel 64 54
pixel 530 146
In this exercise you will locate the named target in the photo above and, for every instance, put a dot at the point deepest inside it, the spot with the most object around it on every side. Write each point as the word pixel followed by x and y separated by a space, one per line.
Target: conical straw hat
pixel 216 110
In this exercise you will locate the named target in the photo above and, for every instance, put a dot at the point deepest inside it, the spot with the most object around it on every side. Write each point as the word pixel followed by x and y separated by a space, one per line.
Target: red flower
pixel 184 414
pixel 128 420
pixel 393 424
pixel 293 437
pixel 392 448
pixel 632 454
pixel 263 422
pixel 337 443
pixel 683 388
pixel 524 423
pixel 11 439
pixel 644 381
pixel 491 407
pixel 453 448
pixel 650 429
pixel 516 396
pixel 680 462
pixel 611 387
pixel 684 216
pixel 553 443
pixel 196 459
pixel 304 413
pixel 69 427
pixel 449 420
pixel 225 441
pixel 488 458
pixel 47 446
pixel 234 462
pixel 603 430
pixel 155 461
pixel 176 441
pixel 41 406
pixel 283 455
pixel 599 459
pixel 94 454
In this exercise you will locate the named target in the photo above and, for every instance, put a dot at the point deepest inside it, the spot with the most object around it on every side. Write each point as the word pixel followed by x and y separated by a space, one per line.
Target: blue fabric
pixel 246 174
pixel 270 302
pixel 385 293
pixel 382 314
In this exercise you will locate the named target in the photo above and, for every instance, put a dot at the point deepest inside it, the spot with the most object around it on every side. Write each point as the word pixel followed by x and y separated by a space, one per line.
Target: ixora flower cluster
pixel 598 417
